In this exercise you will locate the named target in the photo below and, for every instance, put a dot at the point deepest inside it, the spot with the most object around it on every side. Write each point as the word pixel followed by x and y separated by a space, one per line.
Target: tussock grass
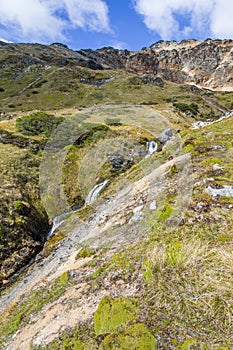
pixel 192 282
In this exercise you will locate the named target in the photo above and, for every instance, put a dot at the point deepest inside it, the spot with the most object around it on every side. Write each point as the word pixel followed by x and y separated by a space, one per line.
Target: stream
pixel 95 192
pixel 200 124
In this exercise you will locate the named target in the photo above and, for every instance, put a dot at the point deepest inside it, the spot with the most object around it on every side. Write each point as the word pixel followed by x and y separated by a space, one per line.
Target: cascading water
pixel 94 193
pixel 91 197
pixel 57 221
pixel 151 147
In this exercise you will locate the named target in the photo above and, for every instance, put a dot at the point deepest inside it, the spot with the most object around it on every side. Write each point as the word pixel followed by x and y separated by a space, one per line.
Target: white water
pixel 151 147
pixel 57 221
pixel 91 197
pixel 94 193
pixel 200 124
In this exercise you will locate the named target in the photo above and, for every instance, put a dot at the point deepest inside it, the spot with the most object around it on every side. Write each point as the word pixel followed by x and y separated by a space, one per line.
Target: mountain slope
pixel 149 260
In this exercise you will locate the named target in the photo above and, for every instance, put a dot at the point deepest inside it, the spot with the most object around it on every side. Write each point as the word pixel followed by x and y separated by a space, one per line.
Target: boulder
pixel 165 135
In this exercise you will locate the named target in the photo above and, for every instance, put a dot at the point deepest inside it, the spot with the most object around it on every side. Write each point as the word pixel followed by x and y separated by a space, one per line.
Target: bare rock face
pixel 206 63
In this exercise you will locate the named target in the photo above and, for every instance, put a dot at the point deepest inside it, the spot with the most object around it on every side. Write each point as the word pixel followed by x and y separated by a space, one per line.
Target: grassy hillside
pixel 179 277
pixel 146 275
pixel 62 87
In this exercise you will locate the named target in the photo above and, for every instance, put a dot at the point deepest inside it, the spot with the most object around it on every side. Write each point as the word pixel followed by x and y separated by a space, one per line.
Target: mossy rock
pixel 134 337
pixel 112 313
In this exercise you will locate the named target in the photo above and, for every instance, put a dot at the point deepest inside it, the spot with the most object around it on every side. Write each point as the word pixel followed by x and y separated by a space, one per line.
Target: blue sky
pixel 129 24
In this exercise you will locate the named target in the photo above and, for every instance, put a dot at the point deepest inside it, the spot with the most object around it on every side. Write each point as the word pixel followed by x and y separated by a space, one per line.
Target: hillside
pixel 117 197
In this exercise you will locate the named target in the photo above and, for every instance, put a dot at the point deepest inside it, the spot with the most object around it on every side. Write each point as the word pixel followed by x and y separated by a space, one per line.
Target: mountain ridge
pixel 205 63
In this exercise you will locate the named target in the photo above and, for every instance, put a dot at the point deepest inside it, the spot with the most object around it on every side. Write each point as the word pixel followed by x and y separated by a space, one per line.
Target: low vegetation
pixel 193 107
pixel 38 123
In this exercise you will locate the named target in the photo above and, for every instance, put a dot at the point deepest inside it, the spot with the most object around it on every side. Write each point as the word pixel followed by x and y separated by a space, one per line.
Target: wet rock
pixel 119 162
pixel 138 214
pixel 151 147
pixel 214 148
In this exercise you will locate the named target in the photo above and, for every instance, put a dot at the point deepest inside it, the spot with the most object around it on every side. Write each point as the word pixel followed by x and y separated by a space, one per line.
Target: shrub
pixel 38 123
pixel 193 107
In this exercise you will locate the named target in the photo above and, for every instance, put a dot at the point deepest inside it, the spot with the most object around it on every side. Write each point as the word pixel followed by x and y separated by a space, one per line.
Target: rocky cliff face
pixel 206 63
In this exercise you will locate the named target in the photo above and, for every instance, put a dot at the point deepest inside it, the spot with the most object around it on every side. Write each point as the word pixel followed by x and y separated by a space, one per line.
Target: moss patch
pixel 135 337
pixel 112 313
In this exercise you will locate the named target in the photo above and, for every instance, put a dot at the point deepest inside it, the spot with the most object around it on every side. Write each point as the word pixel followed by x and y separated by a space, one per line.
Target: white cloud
pixel 201 18
pixel 6 41
pixel 91 15
pixel 47 20
pixel 120 45
pixel 222 22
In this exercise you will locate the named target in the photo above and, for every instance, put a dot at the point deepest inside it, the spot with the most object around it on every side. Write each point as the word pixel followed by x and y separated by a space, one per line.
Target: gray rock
pixel 118 162
pixel 153 206
pixel 226 191
pixel 148 79
pixel 217 167
pixel 165 135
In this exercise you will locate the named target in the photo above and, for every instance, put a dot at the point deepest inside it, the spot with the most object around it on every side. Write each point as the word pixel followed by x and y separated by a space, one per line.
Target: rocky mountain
pixel 204 63
pixel 116 196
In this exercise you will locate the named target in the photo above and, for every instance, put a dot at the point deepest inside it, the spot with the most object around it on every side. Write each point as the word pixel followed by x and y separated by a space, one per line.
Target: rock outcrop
pixel 206 63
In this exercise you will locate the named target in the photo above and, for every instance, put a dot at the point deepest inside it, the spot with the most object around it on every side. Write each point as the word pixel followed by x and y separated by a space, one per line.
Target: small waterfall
pixel 94 193
pixel 151 147
pixel 57 221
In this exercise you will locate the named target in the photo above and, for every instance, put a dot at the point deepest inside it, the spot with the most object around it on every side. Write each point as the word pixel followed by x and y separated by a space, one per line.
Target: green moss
pixel 212 161
pixel 112 313
pixel 174 170
pixel 63 279
pixel 85 252
pixel 163 214
pixel 134 337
